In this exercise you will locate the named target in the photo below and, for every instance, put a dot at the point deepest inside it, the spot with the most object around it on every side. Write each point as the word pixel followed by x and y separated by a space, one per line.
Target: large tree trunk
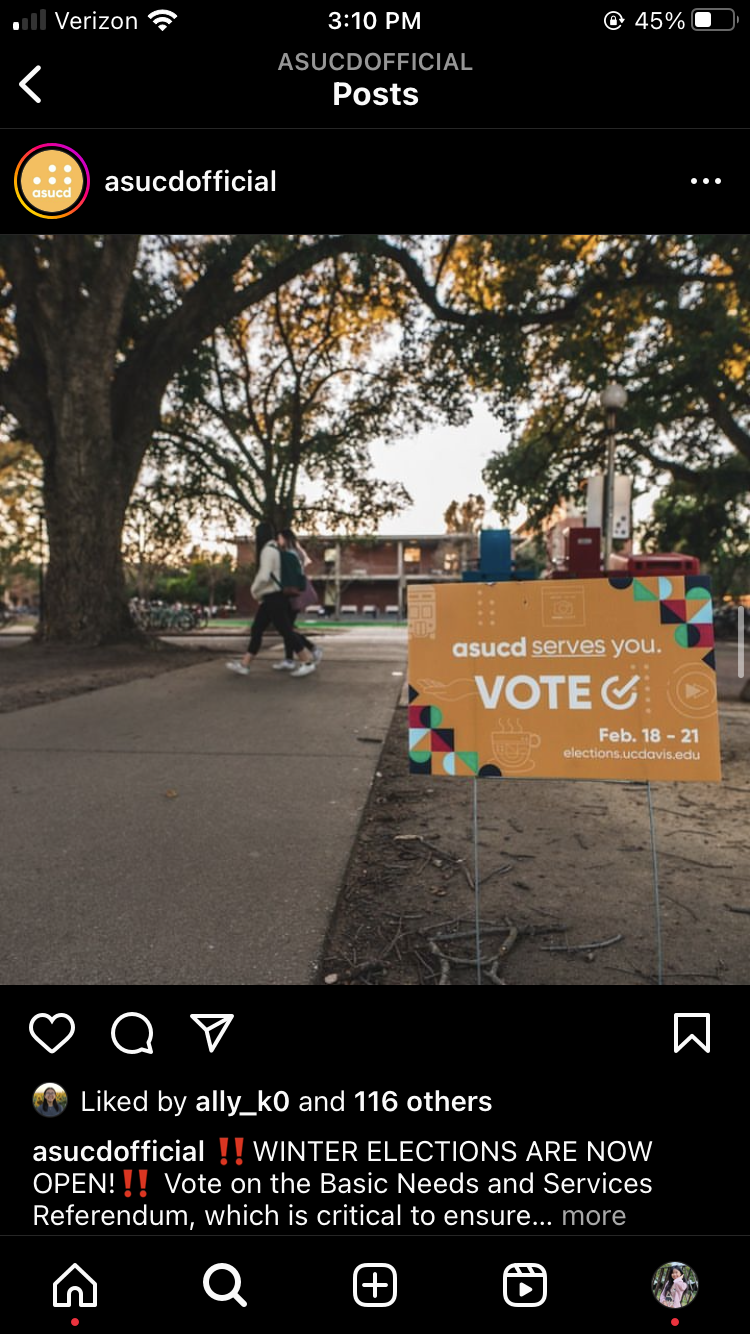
pixel 70 295
pixel 84 587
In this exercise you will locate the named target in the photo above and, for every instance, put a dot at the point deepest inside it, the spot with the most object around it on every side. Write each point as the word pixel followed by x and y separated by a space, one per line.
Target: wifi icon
pixel 162 17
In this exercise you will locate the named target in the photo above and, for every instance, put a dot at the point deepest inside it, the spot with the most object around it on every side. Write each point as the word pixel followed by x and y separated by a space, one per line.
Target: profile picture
pixel 50 1100
pixel 675 1284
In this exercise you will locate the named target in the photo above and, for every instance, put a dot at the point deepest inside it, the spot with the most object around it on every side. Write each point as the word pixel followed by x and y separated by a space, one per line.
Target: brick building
pixel 369 575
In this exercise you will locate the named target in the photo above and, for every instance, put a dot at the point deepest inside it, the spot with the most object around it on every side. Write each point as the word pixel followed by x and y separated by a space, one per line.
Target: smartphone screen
pixel 303 537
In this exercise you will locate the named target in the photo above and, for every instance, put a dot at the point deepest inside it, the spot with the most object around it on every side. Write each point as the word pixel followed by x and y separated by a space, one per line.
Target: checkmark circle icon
pixel 52 1019
pixel 618 696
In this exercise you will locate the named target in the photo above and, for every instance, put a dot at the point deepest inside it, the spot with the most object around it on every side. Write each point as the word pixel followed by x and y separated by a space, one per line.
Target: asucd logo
pixel 52 181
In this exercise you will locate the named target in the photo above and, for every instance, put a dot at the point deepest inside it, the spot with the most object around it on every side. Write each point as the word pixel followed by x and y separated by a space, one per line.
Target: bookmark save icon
pixel 214 1026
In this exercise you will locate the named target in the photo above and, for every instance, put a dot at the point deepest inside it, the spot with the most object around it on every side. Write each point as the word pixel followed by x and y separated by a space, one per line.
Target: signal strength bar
pixel 31 22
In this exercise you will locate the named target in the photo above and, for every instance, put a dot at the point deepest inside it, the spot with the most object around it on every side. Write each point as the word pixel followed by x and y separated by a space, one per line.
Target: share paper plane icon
pixel 214 1026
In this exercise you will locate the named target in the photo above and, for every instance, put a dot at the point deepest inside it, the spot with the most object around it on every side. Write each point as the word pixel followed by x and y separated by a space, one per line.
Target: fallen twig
pixel 469 877
pixel 714 976
pixel 445 964
pixel 574 949
pixel 470 961
pixel 469 935
pixel 682 815
pixel 731 909
pixel 507 945
pixel 400 933
pixel 492 974
pixel 684 905
pixel 633 972
pixel 456 862
pixel 498 870
pixel 540 930
pixel 715 866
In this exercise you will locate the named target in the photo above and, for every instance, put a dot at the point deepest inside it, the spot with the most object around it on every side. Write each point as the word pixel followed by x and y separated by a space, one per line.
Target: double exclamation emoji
pixel 127 1172
pixel 224 1145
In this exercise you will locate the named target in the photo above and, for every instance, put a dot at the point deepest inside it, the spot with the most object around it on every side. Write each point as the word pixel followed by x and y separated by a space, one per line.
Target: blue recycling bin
pixel 495 560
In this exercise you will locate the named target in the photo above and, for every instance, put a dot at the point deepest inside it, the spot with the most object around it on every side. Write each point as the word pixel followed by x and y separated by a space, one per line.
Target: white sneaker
pixel 238 667
pixel 317 655
pixel 304 669
pixel 286 665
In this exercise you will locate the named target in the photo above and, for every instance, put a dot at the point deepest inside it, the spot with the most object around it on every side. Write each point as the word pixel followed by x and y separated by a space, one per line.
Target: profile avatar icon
pixel 52 181
pixel 50 1100
pixel 674 1285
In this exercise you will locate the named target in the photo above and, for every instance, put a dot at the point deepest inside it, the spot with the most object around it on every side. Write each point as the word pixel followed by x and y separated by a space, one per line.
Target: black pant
pixel 274 610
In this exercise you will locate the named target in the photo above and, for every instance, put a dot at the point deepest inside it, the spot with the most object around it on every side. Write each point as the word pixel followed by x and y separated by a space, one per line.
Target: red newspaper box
pixel 584 552
pixel 668 562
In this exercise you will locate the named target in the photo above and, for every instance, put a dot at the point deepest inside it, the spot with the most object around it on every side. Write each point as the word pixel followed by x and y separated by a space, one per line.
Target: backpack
pixel 293 580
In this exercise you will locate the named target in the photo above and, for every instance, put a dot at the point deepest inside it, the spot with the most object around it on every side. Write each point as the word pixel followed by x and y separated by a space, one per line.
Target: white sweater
pixel 269 571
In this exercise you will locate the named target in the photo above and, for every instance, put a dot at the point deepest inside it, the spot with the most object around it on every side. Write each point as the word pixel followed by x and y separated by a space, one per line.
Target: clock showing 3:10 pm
pixel 369 20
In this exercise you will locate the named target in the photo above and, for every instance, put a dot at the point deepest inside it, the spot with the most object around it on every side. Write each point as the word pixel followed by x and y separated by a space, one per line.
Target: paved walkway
pixel 192 828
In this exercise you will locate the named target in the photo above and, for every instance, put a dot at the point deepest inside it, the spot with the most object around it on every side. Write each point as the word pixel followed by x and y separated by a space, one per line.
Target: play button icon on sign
pixel 524 1284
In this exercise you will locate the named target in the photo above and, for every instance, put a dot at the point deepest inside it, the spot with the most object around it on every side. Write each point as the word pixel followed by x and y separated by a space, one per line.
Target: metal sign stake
pixel 657 910
pixel 476 883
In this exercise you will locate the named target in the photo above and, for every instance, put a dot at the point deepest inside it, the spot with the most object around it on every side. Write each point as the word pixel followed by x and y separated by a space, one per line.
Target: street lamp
pixel 611 398
pixel 41 566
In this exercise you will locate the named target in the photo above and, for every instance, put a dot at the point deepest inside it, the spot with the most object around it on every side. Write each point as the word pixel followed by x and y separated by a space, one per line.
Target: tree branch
pixel 727 422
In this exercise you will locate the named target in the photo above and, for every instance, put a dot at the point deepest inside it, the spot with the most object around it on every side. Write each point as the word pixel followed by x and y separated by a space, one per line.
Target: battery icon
pixel 714 20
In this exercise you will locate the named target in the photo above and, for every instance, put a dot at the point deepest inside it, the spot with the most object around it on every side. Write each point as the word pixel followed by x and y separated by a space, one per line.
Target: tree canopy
pixel 274 414
pixel 669 318
pixel 466 517
pixel 95 329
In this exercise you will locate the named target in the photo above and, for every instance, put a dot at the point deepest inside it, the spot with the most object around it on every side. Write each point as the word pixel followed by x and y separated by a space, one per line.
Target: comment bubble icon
pixel 134 1051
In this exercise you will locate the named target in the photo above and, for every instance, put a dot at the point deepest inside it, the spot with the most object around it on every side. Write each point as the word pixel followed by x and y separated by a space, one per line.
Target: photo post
pixel 373 612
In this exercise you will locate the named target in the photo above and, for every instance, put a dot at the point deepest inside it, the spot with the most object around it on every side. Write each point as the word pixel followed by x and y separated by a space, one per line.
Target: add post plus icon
pixel 524 1284
pixel 51 181
pixel 375 1283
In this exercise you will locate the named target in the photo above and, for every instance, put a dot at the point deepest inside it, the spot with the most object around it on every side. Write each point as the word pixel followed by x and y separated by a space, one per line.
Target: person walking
pixel 273 610
pixel 307 597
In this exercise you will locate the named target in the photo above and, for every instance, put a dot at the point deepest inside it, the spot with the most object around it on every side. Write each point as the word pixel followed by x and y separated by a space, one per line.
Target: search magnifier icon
pixel 234 1291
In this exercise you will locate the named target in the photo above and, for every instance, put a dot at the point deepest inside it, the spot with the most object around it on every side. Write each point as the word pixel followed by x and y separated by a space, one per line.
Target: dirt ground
pixel 38 673
pixel 562 866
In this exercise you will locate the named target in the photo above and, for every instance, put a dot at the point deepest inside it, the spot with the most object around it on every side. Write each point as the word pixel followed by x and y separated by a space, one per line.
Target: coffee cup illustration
pixel 512 749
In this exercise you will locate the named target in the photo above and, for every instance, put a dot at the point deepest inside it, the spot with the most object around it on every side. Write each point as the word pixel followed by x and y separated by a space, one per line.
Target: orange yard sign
pixel 597 678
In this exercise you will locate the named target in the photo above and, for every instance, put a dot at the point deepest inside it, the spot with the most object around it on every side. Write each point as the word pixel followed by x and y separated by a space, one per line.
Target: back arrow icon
pixel 25 80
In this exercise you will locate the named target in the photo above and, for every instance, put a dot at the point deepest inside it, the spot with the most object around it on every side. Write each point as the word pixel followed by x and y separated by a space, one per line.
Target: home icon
pixel 70 1282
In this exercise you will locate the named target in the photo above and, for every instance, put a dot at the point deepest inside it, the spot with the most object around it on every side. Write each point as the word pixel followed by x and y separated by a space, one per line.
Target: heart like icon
pixel 52 1019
